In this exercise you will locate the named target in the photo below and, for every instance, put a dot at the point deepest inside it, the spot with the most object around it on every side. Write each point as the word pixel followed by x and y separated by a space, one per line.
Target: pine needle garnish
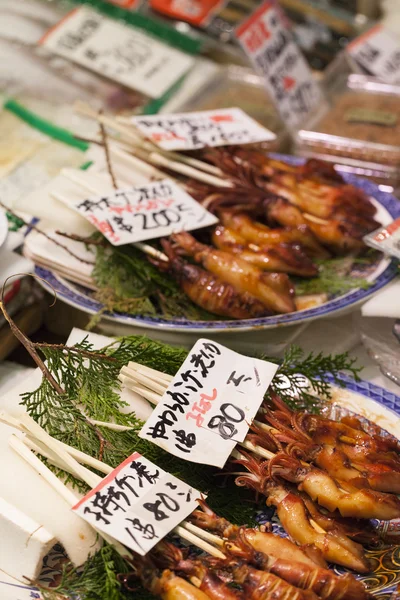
pixel 335 277
pixel 128 282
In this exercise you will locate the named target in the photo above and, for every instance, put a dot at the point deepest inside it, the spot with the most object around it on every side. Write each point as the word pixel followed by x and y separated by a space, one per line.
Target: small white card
pixel 138 504
pixel 120 52
pixel 194 130
pixel 386 239
pixel 270 46
pixel 210 404
pixel 144 212
pixel 378 51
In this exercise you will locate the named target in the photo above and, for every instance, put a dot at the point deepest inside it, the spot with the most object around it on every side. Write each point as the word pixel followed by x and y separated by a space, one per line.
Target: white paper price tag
pixel 210 403
pixel 144 212
pixel 119 52
pixel 190 131
pixel 378 51
pixel 386 239
pixel 270 46
pixel 138 504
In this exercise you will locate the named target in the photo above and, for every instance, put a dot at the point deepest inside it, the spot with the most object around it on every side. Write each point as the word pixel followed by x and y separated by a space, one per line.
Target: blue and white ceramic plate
pixel 388 209
pixel 370 401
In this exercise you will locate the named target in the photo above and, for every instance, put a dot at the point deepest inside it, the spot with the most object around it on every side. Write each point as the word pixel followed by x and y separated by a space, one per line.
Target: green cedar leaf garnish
pixel 335 277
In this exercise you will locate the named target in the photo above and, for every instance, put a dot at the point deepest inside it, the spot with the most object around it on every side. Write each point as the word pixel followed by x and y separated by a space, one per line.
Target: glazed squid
pixel 273 290
pixel 335 495
pixel 165 584
pixel 283 258
pixel 338 459
pixel 335 546
pixel 259 234
pixel 208 291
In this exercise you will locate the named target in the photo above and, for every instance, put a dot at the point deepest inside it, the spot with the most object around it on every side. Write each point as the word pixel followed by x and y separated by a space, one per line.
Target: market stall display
pixel 182 180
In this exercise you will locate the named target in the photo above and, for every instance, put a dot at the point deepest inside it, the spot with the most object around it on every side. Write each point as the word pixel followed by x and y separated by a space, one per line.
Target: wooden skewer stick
pixel 136 139
pixel 59 487
pixel 194 539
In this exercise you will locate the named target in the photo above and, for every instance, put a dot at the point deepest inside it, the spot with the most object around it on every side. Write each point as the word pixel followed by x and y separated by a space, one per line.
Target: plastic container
pixel 240 87
pixel 359 129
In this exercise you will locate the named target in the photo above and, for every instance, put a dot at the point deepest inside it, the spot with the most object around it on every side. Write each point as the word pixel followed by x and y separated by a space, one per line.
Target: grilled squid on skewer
pixel 261 585
pixel 284 258
pixel 292 512
pixel 207 580
pixel 261 541
pixel 209 292
pixel 276 295
pixel 261 235
pixel 164 584
pixel 350 502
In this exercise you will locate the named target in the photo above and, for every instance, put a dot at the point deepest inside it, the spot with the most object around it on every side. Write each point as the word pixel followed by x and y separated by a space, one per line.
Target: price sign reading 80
pixel 209 404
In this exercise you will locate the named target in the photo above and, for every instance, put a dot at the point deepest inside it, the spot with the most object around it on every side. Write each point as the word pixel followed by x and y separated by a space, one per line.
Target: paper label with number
pixel 270 46
pixel 210 404
pixel 191 131
pixel 378 52
pixel 138 504
pixel 117 51
pixel 386 239
pixel 144 212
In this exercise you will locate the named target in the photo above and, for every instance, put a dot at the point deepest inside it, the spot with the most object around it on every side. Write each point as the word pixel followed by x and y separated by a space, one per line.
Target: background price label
pixel 138 504
pixel 270 46
pixel 386 239
pixel 210 403
pixel 190 131
pixel 378 52
pixel 117 51
pixel 144 212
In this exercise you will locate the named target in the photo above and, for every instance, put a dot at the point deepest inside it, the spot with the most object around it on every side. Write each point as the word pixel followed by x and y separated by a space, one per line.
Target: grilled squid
pixel 261 235
pixel 283 258
pixel 276 294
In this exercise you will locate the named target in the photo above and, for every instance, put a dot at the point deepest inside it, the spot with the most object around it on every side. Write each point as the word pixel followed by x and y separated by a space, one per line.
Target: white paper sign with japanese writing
pixel 122 53
pixel 270 46
pixel 378 52
pixel 386 239
pixel 138 504
pixel 190 131
pixel 144 212
pixel 210 404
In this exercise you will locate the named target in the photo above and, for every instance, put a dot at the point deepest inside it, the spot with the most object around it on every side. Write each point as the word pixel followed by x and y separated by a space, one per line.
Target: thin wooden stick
pixel 107 153
pixel 111 426
pixel 136 138
pixel 152 373
pixel 60 488
pixel 194 539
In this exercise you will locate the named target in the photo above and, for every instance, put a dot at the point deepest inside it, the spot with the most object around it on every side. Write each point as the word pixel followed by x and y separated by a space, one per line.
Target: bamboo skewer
pixel 45 445
pixel 136 138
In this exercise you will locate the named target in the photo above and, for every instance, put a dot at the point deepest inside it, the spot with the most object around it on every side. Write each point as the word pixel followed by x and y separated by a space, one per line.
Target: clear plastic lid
pixel 360 125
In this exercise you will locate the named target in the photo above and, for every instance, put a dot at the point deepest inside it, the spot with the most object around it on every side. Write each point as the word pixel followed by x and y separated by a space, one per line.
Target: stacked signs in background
pixel 269 44
pixel 378 52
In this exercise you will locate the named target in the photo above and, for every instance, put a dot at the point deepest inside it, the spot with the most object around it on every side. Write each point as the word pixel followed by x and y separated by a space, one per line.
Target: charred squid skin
pixel 214 295
pixel 325 584
pixel 244 277
pixel 260 585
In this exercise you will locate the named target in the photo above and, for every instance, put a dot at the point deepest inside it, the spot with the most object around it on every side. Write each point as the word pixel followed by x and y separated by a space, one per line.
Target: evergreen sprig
pixel 89 378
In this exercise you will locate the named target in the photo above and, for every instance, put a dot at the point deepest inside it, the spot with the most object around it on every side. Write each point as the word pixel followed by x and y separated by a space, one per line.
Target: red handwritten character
pixel 151 205
pixel 222 118
pixel 198 418
pixel 289 83
pixel 256 36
